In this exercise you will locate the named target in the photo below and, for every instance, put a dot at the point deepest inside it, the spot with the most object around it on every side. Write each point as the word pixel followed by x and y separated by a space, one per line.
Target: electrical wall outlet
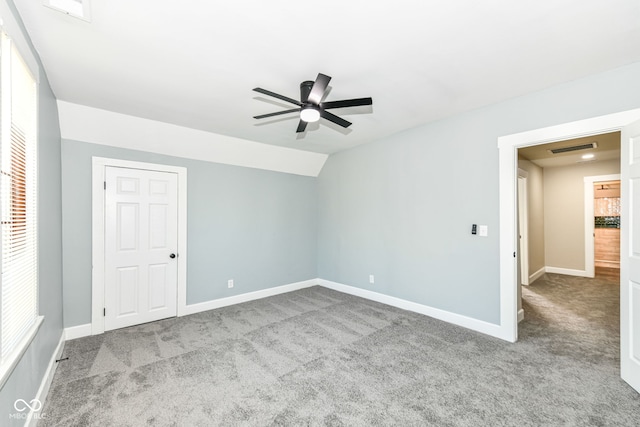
pixel 371 278
pixel 230 283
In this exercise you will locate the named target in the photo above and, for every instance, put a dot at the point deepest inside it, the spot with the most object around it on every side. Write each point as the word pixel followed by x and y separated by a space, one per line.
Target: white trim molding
pixel 249 296
pixel 446 316
pixel 87 124
pixel 523 203
pixel 567 271
pixel 520 315
pixel 508 163
pixel 73 332
pixel 99 165
pixel 535 276
pixel 47 379
pixel 13 358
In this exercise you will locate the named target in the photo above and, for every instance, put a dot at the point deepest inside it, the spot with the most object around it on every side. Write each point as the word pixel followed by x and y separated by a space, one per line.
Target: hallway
pixel 576 317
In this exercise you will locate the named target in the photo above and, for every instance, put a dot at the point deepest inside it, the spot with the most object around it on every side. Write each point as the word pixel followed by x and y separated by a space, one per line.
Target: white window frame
pixel 9 52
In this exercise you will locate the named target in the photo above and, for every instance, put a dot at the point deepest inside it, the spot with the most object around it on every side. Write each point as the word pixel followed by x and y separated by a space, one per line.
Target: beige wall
pixel 564 211
pixel 535 214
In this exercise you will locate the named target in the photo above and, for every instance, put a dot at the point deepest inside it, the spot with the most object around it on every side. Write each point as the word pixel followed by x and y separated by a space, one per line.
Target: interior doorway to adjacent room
pixel 558 183
pixel 606 235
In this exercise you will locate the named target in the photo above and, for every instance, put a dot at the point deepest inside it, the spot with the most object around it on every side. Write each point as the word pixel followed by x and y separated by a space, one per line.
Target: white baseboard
pixel 520 315
pixel 536 275
pixel 456 319
pixel 85 330
pixel 77 332
pixel 566 271
pixel 250 296
pixel 43 391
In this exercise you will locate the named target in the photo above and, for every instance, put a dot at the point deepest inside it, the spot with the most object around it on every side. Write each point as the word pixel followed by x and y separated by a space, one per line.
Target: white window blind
pixel 18 197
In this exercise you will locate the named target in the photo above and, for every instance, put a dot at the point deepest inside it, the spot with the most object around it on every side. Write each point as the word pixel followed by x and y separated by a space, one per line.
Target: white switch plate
pixel 483 230
pixel 230 283
pixel 371 280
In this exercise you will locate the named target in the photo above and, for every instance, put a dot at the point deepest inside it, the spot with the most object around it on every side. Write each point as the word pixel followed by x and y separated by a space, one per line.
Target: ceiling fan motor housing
pixel 305 89
pixel 311 106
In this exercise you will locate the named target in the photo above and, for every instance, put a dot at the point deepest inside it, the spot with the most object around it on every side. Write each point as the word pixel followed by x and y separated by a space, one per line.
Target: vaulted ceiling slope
pixel 193 63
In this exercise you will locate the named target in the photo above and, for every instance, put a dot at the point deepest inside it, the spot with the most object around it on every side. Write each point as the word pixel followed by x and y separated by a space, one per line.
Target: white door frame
pixel 508 166
pixel 589 226
pixel 523 225
pixel 99 165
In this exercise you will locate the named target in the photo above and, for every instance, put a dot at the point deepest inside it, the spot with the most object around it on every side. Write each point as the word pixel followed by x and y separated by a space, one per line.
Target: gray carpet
pixel 320 357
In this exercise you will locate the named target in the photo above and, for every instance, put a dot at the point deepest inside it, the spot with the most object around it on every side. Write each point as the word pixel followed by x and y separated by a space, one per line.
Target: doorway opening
pixel 606 206
pixel 508 149
pixel 560 193
pixel 628 122
pixel 568 206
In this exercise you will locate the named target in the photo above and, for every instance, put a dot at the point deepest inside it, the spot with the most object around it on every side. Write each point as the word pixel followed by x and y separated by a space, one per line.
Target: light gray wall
pixel 28 374
pixel 254 226
pixel 564 211
pixel 402 207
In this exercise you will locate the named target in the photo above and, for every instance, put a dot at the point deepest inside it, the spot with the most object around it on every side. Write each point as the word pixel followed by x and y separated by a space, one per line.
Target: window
pixel 18 198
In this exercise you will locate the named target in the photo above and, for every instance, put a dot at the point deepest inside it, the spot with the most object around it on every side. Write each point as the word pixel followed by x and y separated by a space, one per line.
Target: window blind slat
pixel 18 190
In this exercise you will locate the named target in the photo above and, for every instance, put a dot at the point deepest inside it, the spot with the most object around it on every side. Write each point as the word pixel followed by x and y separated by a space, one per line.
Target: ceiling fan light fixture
pixel 311 105
pixel 309 115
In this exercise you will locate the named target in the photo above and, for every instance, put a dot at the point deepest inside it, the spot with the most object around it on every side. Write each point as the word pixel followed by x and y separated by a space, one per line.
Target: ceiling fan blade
pixel 335 119
pixel 347 103
pixel 277 113
pixel 301 126
pixel 318 89
pixel 275 95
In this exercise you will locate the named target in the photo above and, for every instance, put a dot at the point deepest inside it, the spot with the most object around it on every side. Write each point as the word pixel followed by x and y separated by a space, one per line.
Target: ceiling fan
pixel 310 106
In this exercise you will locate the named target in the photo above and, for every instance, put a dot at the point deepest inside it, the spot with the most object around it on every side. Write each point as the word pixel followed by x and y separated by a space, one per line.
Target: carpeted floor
pixel 320 357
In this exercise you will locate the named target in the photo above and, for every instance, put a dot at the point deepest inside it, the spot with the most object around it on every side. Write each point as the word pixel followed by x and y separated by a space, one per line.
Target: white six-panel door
pixel 630 248
pixel 141 237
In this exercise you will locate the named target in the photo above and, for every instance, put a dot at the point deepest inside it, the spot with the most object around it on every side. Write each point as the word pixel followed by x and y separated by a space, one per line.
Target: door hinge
pixel 104 311
pixel 514 254
pixel 105 185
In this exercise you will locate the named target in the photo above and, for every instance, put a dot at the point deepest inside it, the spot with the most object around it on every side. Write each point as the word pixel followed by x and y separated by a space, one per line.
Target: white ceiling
pixel 193 63
pixel 607 148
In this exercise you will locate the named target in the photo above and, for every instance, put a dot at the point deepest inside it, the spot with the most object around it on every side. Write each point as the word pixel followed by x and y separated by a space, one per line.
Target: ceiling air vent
pixel 574 148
